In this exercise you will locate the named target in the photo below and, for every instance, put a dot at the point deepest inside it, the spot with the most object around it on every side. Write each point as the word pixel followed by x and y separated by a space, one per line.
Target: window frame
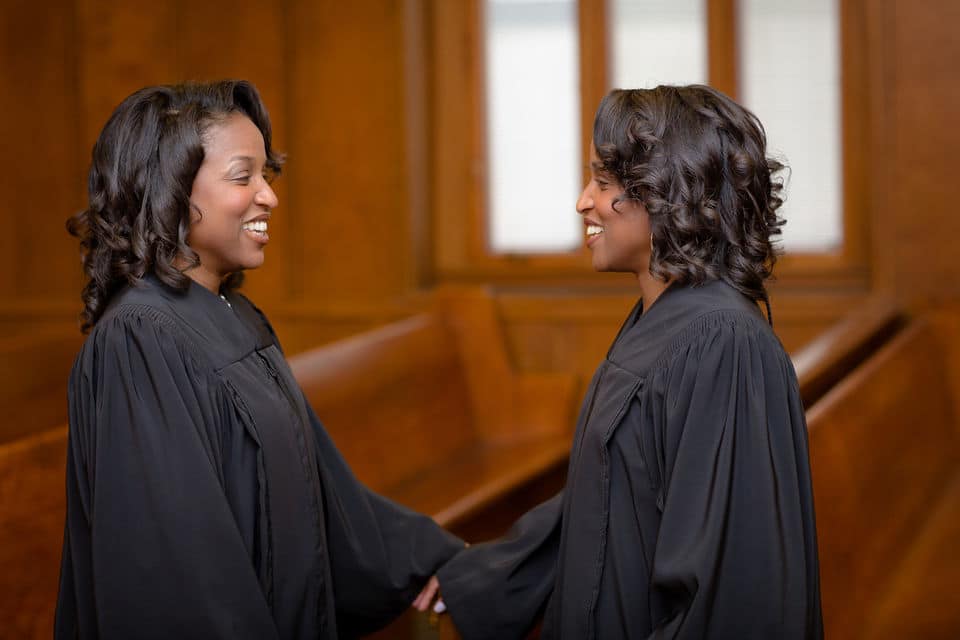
pixel 459 168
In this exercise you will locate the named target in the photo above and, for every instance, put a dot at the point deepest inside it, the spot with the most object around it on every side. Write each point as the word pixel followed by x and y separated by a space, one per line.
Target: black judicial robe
pixel 688 508
pixel 204 497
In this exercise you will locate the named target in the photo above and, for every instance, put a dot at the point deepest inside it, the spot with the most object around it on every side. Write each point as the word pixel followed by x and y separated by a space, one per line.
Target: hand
pixel 426 597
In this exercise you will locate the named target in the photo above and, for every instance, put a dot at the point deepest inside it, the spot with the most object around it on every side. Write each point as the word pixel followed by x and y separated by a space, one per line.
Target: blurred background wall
pixel 380 106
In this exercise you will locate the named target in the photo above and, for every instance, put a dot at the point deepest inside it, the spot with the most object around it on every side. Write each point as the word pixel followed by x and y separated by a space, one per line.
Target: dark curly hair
pixel 698 162
pixel 141 177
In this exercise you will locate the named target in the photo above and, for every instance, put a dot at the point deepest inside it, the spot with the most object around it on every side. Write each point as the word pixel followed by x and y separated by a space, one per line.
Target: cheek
pixel 226 214
pixel 606 210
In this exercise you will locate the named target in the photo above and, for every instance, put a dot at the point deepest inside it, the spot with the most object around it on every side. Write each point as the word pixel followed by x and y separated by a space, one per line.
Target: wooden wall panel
pixel 338 75
pixel 41 179
pixel 916 250
pixel 121 48
pixel 347 158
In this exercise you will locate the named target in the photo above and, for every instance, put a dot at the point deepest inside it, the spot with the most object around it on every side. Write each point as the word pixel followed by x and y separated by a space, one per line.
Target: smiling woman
pixel 688 510
pixel 204 497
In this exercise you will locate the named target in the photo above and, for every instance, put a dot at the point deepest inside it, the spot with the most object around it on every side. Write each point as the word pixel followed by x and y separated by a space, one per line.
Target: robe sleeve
pixel 151 549
pixel 499 589
pixel 381 553
pixel 736 551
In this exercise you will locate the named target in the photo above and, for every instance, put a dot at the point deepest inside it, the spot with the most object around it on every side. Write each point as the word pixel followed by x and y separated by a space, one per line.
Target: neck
pixel 650 288
pixel 205 278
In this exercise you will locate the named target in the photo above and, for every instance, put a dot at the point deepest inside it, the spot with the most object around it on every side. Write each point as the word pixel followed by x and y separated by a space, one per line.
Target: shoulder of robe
pixel 718 329
pixel 144 326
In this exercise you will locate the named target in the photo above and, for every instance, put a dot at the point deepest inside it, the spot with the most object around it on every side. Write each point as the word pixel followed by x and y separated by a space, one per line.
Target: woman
pixel 688 510
pixel 204 498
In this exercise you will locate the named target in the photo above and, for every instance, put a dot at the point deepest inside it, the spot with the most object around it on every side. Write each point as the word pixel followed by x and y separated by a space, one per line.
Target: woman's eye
pixel 242 179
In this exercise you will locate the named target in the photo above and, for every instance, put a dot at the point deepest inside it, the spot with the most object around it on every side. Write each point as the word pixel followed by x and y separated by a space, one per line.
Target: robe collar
pixel 645 337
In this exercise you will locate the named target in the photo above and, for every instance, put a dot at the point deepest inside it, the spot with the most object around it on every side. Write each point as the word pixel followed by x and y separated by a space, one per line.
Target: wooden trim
pixel 879 74
pixel 723 55
pixel 478 240
pixel 417 115
pixel 455 74
pixel 294 284
pixel 594 57
pixel 829 358
pixel 854 131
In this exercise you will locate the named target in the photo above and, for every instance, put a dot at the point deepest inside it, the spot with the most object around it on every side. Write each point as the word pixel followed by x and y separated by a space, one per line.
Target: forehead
pixel 234 136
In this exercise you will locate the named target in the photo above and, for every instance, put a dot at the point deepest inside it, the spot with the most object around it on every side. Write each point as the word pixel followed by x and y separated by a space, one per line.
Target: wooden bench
pixel 426 410
pixel 885 452
pixel 33 439
pixel 32 511
pixel 429 412
pixel 33 381
pixel 835 353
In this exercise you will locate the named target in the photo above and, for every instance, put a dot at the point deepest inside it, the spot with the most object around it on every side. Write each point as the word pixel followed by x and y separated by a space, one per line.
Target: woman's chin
pixel 253 262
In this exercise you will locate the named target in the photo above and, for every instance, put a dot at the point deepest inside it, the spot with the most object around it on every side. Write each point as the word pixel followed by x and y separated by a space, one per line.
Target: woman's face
pixel 619 239
pixel 231 200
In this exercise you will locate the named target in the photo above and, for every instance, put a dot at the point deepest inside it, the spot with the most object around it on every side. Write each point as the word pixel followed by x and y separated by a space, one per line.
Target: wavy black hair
pixel 141 175
pixel 698 162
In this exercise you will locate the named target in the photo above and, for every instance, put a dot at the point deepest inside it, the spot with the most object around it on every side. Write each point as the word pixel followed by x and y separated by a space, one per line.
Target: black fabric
pixel 205 499
pixel 688 508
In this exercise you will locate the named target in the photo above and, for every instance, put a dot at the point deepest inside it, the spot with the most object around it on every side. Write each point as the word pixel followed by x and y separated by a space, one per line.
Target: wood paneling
pixel 919 255
pixel 42 179
pixel 349 79
pixel 350 193
pixel 376 103
pixel 722 56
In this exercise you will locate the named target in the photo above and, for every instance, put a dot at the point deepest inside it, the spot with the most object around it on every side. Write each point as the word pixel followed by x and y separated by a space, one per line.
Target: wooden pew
pixel 33 399
pixel 885 453
pixel 33 381
pixel 835 353
pixel 32 511
pixel 430 413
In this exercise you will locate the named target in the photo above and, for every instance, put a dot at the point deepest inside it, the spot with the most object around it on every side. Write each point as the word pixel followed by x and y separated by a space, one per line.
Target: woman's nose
pixel 585 201
pixel 267 197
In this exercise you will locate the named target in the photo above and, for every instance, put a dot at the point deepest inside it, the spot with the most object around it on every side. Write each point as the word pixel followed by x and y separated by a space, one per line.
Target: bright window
pixel 532 125
pixel 790 77
pixel 657 42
